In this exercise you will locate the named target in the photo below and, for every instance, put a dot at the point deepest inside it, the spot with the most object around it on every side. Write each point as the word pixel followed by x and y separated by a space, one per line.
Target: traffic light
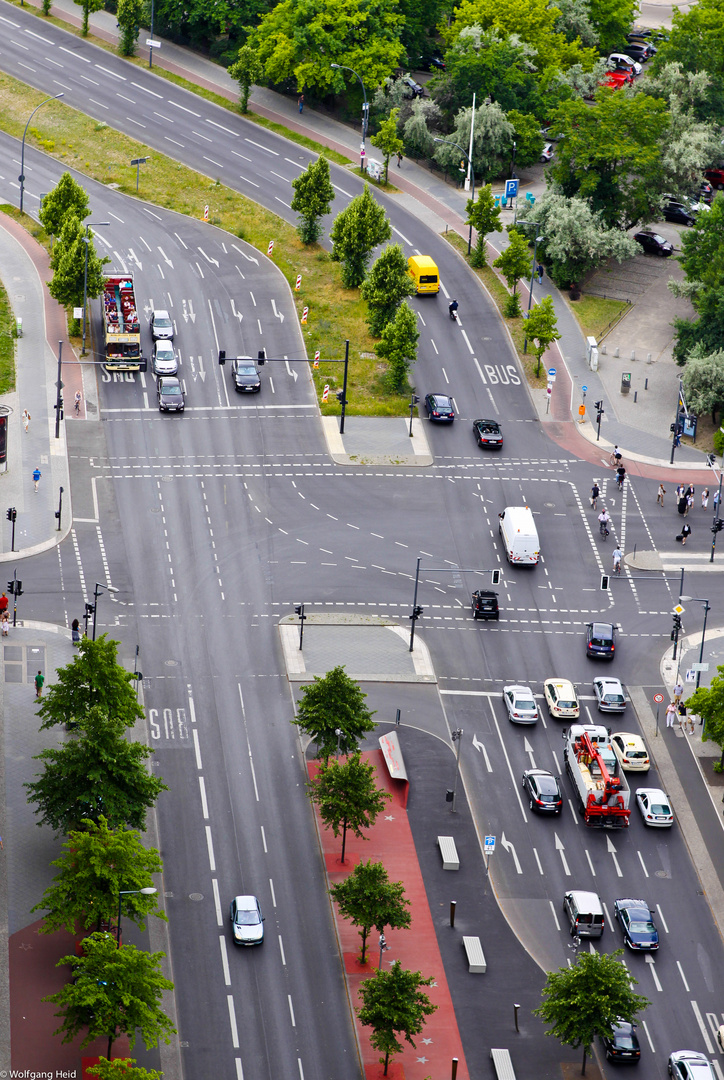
pixel 12 513
pixel 710 459
pixel 676 628
pixel 717 526
pixel 222 356
pixel 604 581
pixel 89 609
pixel 261 357
pixel 340 397
pixel 416 613
pixel 15 587
pixel 599 406
pixel 299 610
pixel 496 577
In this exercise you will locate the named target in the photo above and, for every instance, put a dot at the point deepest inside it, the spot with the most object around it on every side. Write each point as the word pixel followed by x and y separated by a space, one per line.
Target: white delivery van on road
pixel 519 535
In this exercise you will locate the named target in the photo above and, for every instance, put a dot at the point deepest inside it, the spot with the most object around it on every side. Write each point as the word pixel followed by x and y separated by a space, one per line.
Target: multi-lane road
pixel 213 524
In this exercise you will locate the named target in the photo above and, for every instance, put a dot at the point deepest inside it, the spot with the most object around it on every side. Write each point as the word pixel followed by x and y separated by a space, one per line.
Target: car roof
pixel 629 738
pixel 653 793
pixel 246 903
pixel 632 902
pixel 160 313
pixel 441 397
pixel 518 689
pixel 601 628
pixel 168 381
pixel 559 682
pixel 608 680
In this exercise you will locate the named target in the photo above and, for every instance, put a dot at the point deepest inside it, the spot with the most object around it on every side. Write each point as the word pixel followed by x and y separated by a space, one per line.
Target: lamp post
pixel 365 109
pixel 472 177
pixel 707 609
pixel 99 585
pixel 457 737
pixel 532 276
pixel 716 523
pixel 21 178
pixel 148 891
pixel 86 241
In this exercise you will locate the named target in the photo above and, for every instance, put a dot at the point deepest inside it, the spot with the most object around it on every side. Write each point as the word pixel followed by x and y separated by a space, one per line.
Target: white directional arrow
pixel 291 371
pixel 193 367
pixel 650 960
pixel 208 258
pixel 166 258
pixel 202 373
pixel 479 746
pixel 188 311
pixel 277 314
pixel 134 258
pixel 234 312
pixel 509 847
pixel 610 848
pixel 560 847
pixel 249 258
pixel 529 750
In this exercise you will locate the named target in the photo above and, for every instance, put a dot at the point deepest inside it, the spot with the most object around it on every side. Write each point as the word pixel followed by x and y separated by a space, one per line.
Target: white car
pixel 161 325
pixel 631 751
pixel 690 1065
pixel 520 703
pixel 619 60
pixel 547 152
pixel 164 359
pixel 561 698
pixel 655 807
pixel 609 694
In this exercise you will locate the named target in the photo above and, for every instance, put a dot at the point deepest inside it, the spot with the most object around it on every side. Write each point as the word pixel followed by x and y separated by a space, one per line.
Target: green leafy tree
pixel 704 334
pixel 331 704
pixel 394 1004
pixel 347 796
pixel 93 680
pixel 704 382
pixel 398 346
pixel 708 703
pixel 206 24
pixel 541 327
pixel 528 139
pixel 246 70
pixel 421 18
pixel 313 196
pixel 574 22
pixel 98 774
pixel 387 140
pixel 489 63
pixel 70 281
pixel 89 7
pixel 385 287
pixel 484 216
pixel 114 992
pixel 130 16
pixel 696 42
pixel 121 1069
pixel 585 1001
pixel 419 126
pixel 369 899
pixel 514 263
pixel 97 863
pixel 702 257
pixel 613 19
pixel 492 141
pixel 67 197
pixel 356 232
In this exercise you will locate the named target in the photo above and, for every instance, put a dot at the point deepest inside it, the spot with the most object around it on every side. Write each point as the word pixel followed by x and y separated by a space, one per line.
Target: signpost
pixel 659 699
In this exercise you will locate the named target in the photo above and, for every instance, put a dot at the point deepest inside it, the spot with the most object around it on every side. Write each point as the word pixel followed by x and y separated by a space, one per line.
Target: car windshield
pixel 246 918
pixel 613 699
pixel 563 704
pixel 246 369
pixel 164 353
pixel 162 324
pixel 658 239
pixel 634 755
pixel 441 404
pixel 660 808
pixel 642 926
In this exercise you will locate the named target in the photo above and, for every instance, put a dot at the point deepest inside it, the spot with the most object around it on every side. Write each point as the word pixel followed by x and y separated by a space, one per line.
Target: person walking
pixel 616 456
pixel 685 533
pixel 36 477
pixel 300 102
pixel 78 399
pixel 681 499
pixel 539 271
pixel 5 624
pixel 704 498
pixel 4 604
pixel 595 492
pixel 26 419
pixel 620 476
pixel 671 714
pixel 399 160
pixel 660 494
pixel 39 680
pixel 75 632
pixel 689 504
pixel 678 691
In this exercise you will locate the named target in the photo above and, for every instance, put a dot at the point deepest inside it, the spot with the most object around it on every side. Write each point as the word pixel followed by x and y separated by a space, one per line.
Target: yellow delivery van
pixel 424 273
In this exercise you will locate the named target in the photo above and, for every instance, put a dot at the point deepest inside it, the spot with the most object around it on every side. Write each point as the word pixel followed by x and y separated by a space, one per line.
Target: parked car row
pixel 561 698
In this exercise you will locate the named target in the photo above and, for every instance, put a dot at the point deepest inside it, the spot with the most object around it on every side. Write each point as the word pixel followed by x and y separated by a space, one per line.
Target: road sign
pixel 552 372
pixel 511 189
pixel 679 609
pixel 699 667
pixel 489 845
pixel 584 389
pixel 659 699
pixel 153 44
pixel 691 675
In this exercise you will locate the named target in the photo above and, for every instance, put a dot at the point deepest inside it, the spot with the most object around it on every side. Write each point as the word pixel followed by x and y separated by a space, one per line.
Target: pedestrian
pixel 5 623
pixel 670 714
pixel 4 602
pixel 704 498
pixel 399 160
pixel 595 492
pixel 678 691
pixel 300 102
pixel 681 709
pixel 681 504
pixel 26 419
pixel 1 841
pixel 691 490
pixel 539 271
pixel 39 680
pixel 716 501
pixel 78 399
pixel 689 504
pixel 660 494
pixel 36 477
pixel 75 631
pixel 685 533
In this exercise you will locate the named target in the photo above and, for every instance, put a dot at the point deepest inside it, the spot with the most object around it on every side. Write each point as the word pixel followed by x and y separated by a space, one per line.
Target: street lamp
pixel 716 524
pixel 21 178
pixel 109 588
pixel 472 175
pixel 86 241
pixel 365 109
pixel 707 609
pixel 148 891
pixel 532 276
pixel 457 737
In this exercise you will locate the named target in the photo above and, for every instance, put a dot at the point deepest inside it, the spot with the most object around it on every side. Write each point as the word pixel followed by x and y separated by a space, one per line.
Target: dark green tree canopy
pixel 369 899
pixel 247 69
pixel 356 232
pixel 70 280
pixel 484 216
pixel 331 703
pixel 542 327
pixel 708 702
pixel 386 286
pixel 398 346
pixel 121 1069
pixel 514 261
pixel 130 14
pixel 394 1004
pixel 93 680
pixel 313 197
pixel 347 796
pixel 67 197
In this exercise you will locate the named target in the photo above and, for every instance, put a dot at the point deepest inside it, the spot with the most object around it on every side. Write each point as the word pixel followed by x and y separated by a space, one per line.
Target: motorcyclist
pixel 453 309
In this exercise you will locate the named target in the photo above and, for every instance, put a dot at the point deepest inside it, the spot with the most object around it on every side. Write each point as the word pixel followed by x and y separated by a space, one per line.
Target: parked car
pixel 547 152
pixel 247 921
pixel 488 433
pixel 561 698
pixel 484 604
pixel 637 923
pixel 164 360
pixel 617 79
pixel 412 88
pixel 623 1045
pixel 543 790
pixel 653 243
pixel 609 694
pixel 690 1065
pixel 705 192
pixel 640 51
pixel 631 751
pixel 639 32
pixel 622 61
pixel 678 213
pixel 170 394
pixel 600 640
pixel 715 177
pixel 655 807
pixel 245 375
pixel 431 62
pixel 161 325
pixel 520 703
pixel 439 408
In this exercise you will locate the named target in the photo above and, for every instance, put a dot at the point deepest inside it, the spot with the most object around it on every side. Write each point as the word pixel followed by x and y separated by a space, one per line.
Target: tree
pixel 696 42
pixel 246 70
pixel 387 140
pixel 398 347
pixel 385 287
pixel 514 263
pixel 703 264
pixel 574 22
pixel 369 899
pixel 313 195
pixel 347 796
pixel 67 197
pixel 331 704
pixel 89 7
pixel 492 141
pixel 489 63
pixel 528 139
pixel 121 1069
pixel 93 680
pixel 130 15
pixel 542 328
pixel 613 20
pixel 484 216
pixel 392 1003
pixel 704 382
pixel 96 864
pixel 114 991
pixel 702 257
pixel 99 774
pixel 70 281
pixel 708 703
pixel 705 334
pixel 424 119
pixel 355 234
pixel 585 1001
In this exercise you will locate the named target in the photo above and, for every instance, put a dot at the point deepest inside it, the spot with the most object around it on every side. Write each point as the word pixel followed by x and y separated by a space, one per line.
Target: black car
pixel 412 88
pixel 638 32
pixel 488 434
pixel 677 212
pixel 623 1045
pixel 600 640
pixel 637 923
pixel 484 604
pixel 543 791
pixel 637 50
pixel 431 62
pixel 170 394
pixel 654 244
pixel 439 407
pixel 245 375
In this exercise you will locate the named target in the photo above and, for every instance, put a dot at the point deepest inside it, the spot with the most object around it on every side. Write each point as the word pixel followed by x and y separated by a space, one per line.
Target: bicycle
pixel 78 400
pixel 617 567
pixel 616 457
pixel 603 529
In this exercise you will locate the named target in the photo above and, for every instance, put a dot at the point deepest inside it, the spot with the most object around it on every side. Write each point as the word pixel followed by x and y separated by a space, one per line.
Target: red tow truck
pixel 602 789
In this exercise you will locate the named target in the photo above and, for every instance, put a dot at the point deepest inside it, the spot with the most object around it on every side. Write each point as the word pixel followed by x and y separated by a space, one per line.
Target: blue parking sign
pixel 511 189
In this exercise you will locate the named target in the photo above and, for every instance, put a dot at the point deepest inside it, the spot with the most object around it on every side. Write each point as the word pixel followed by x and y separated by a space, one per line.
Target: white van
pixel 519 535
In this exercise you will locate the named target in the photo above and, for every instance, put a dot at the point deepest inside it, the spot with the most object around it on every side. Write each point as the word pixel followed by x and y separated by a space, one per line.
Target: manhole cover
pixel 167 479
pixel 196 896
pixel 155 510
pixel 660 873
pixel 549 505
pixel 172 663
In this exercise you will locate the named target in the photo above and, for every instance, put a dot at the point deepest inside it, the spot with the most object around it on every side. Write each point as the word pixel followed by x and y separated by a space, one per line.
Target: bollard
pixel 616 352
pixel 636 396
pixel 648 357
pixel 453 905
pixel 602 349
pixel 646 384
pixel 633 354
pixel 19 327
pixel 516 1007
pixel 397 718
pixel 455 1060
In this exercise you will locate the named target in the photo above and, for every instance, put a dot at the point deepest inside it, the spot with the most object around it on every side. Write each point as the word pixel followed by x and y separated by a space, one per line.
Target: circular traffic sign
pixel 658 698
pixel 551 371
pixel 584 389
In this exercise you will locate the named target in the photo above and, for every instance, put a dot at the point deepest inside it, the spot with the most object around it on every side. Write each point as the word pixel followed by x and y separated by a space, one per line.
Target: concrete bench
pixel 450 859
pixel 476 956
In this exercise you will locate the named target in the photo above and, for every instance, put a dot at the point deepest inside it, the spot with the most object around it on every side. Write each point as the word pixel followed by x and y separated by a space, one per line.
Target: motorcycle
pixel 453 313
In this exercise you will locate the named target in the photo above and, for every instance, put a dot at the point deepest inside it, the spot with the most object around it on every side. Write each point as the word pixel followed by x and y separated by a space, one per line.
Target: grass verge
pixel 596 315
pixel 7 344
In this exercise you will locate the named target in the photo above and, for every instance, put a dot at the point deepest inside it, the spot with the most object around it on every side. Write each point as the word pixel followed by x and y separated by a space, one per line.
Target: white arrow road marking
pixel 610 848
pixel 249 258
pixel 509 847
pixel 192 313
pixel 208 258
pixel 290 371
pixel 560 847
pixel 277 314
pixel 234 312
pixel 529 750
pixel 134 258
pixel 702 1027
pixel 650 960
pixel 479 747
pixel 202 373
pixel 193 367
pixel 166 257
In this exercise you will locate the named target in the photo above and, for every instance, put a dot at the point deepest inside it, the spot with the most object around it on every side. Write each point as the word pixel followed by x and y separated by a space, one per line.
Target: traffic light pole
pixel 417 611
pixel 11 516
pixel 59 394
pixel 715 525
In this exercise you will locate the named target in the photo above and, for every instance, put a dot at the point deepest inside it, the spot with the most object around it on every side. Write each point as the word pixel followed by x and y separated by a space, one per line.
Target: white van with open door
pixel 519 535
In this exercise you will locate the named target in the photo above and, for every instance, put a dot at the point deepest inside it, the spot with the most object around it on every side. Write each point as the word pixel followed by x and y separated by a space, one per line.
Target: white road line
pixel 291 1010
pixel 204 802
pixel 197 748
pixel 652 964
pixel 212 162
pixel 232 1021
pixel 136 122
pixel 263 840
pixel 471 350
pixel 341 190
pixel 260 147
pixel 98 103
pixel 75 55
pixel 87 78
pixel 588 856
pixel 210 849
pixel 239 1069
pixel 540 868
pixel 39 37
pixel 183 108
pixel 107 71
pixel 179 144
pixel 49 61
pixel 221 127
pixel 249 181
pixel 242 156
pixel 661 917
pixel 124 98
pixel 281 950
pixel 273 894
pixel 301 1070
pixel 683 976
pixel 651 1044
pixel 643 864
pixel 204 137
pixel 225 960
pixel 702 1028
pixel 147 91
pixel 217 902
pixel 555 915
pixel 402 236
pixel 507 761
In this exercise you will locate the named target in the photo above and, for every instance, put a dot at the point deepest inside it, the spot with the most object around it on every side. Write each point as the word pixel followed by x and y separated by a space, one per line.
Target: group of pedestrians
pixel 676 711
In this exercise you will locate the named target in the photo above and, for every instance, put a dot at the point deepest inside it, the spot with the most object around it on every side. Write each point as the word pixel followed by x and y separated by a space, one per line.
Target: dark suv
pixel 485 604
pixel 600 640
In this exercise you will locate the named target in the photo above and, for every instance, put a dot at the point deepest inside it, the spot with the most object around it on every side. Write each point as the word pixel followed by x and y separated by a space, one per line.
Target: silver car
pixel 247 921
pixel 609 695
pixel 520 703
pixel 164 359
pixel 690 1065
pixel 161 325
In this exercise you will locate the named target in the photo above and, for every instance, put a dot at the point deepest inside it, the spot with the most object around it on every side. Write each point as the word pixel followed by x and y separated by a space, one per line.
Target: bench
pixel 475 955
pixel 450 859
pixel 502 1064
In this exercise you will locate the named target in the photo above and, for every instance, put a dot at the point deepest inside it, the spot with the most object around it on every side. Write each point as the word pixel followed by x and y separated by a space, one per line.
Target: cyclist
pixel 78 399
pixel 616 456
pixel 620 476
pixel 595 492
pixel 604 520
pixel 617 556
